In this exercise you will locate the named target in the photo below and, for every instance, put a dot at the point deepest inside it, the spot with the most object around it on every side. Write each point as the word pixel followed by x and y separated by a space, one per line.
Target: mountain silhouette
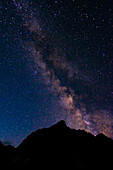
pixel 59 147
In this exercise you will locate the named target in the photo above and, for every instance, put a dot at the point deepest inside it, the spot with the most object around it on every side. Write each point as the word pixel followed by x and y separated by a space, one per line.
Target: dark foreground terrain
pixel 59 147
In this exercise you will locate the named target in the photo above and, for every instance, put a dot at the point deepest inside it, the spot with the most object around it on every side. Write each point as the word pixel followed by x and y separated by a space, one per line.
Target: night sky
pixel 56 62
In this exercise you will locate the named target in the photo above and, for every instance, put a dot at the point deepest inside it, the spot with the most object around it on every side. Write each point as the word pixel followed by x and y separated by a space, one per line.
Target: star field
pixel 55 63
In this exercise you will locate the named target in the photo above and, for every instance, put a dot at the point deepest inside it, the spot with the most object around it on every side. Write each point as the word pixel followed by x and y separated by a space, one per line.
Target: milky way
pixel 77 90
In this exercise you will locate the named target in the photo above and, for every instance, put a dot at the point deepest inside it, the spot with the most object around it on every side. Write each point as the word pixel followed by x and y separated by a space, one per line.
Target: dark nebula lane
pixel 58 56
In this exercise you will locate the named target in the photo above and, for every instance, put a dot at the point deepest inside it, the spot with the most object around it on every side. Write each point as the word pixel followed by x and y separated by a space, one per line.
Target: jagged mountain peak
pixel 63 146
pixel 60 124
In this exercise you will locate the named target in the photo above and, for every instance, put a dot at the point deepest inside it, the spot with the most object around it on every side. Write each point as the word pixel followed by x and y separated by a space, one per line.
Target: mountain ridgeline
pixel 59 147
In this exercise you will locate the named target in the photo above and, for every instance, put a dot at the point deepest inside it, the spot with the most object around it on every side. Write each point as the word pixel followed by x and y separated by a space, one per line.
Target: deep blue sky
pixel 55 63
